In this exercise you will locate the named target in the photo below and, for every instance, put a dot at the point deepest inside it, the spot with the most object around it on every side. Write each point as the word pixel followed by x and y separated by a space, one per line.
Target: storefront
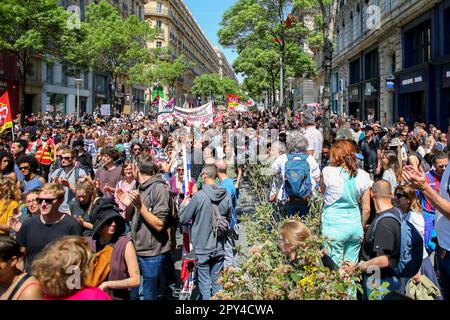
pixel 414 95
pixel 354 101
pixel 56 103
pixel 445 98
pixel 370 100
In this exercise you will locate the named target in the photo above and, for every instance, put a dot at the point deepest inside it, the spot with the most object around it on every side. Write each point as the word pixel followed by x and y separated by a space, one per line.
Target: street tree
pixel 29 29
pixel 266 25
pixel 168 72
pixel 212 85
pixel 112 43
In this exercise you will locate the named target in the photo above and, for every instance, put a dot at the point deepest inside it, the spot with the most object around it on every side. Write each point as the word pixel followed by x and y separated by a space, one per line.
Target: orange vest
pixel 44 155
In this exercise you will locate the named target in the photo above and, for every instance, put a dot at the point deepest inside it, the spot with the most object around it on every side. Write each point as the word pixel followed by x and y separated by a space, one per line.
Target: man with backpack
pixel 209 211
pixel 392 248
pixel 68 176
pixel 300 173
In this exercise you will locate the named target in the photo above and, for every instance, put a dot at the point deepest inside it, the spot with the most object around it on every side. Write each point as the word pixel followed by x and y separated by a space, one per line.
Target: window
pixel 64 75
pixel 447 31
pixel 158 44
pixel 371 69
pixel 50 73
pixel 418 45
pixel 388 6
pixel 100 83
pixel 159 24
pixel 159 7
pixel 355 71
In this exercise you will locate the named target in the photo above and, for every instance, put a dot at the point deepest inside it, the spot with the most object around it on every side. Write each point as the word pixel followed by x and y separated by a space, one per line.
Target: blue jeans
pixel 151 270
pixel 301 209
pixel 208 273
pixel 443 266
pixel 430 231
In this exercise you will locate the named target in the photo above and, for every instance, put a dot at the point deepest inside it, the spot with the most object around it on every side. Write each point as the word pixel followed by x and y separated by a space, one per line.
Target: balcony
pixel 155 12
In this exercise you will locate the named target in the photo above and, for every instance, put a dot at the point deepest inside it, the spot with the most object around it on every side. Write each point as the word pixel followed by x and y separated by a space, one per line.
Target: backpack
pixel 219 223
pixel 297 176
pixel 411 246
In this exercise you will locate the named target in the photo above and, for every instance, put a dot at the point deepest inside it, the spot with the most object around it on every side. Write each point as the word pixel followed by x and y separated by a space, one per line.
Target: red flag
pixel 5 113
pixel 219 117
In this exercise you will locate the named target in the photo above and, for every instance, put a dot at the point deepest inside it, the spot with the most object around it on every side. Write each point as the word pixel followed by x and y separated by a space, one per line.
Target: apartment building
pixel 392 59
pixel 50 86
pixel 183 35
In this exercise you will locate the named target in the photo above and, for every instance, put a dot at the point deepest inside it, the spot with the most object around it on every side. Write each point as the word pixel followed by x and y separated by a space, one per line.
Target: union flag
pixel 5 113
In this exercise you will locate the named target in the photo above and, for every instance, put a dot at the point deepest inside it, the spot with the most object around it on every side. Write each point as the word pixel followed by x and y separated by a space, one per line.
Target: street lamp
pixel 78 83
pixel 290 80
pixel 185 99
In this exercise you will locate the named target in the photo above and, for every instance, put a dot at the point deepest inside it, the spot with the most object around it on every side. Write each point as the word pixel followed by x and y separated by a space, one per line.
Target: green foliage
pixel 267 274
pixel 169 71
pixel 110 42
pixel 252 27
pixel 212 84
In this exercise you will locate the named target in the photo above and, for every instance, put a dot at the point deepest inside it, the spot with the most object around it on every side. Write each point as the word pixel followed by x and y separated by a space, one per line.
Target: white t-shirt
pixel 333 178
pixel 441 222
pixel 417 220
pixel 279 165
pixel 315 141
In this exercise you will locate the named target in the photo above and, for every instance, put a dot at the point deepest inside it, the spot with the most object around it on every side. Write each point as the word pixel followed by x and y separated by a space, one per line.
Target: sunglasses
pixel 443 166
pixel 399 195
pixel 24 168
pixel 180 170
pixel 137 149
pixel 66 158
pixel 48 201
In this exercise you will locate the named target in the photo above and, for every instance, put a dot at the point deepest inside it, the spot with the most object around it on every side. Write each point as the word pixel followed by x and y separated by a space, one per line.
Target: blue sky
pixel 208 14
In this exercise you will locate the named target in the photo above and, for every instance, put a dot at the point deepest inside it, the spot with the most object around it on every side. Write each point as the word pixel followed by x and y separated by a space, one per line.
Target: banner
pixel 201 116
pixel 233 101
pixel 5 113
pixel 105 109
pixel 241 108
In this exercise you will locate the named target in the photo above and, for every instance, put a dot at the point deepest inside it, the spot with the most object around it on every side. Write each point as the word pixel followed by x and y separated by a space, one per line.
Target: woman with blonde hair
pixel 9 208
pixel 409 204
pixel 392 171
pixel 63 267
pixel 345 187
pixel 292 234
pixel 81 206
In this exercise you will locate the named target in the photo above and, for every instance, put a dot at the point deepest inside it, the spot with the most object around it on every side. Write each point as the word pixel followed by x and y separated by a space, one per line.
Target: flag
pixel 5 113
pixel 219 117
pixel 233 101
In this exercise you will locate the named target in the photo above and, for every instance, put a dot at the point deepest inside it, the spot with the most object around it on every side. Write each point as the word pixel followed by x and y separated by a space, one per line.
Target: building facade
pixel 390 60
pixel 183 35
pixel 51 86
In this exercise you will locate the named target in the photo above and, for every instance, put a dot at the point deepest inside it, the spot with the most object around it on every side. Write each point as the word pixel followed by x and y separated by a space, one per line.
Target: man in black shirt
pixel 371 152
pixel 380 251
pixel 50 225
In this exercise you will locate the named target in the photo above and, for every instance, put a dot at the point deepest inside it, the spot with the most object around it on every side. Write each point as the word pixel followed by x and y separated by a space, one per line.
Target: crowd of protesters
pixel 107 195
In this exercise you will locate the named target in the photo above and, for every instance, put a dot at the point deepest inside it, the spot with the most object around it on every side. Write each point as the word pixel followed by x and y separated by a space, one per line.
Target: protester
pixel 50 225
pixel 31 181
pixel 51 269
pixel 410 206
pixel 81 206
pixel 207 244
pixel 391 170
pixel 149 211
pixel 14 283
pixel 345 188
pixel 116 269
pixel 292 234
pixel 381 247
pixel 434 177
pixel 109 174
pixel 8 205
pixel 297 194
